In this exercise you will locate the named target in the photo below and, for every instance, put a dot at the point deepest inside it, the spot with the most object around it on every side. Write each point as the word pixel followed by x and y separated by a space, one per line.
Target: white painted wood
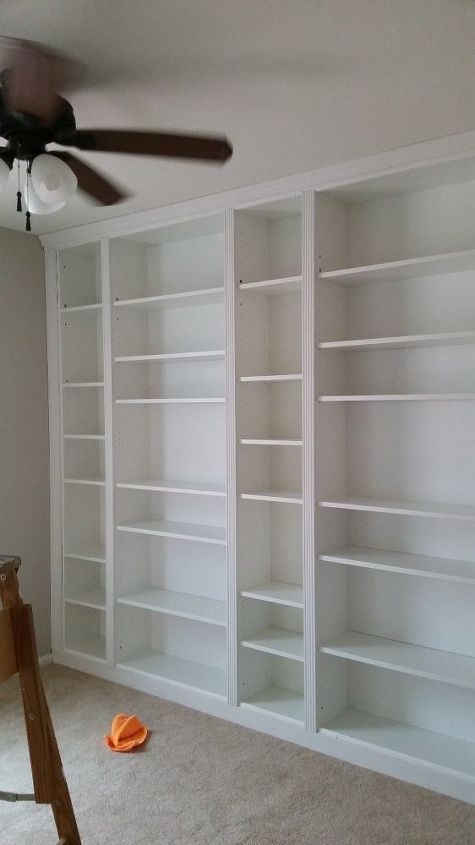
pixel 92 647
pixel 178 530
pixel 282 377
pixel 98 482
pixel 402 342
pixel 84 436
pixel 281 703
pixel 444 569
pixel 401 397
pixel 178 671
pixel 405 740
pixel 276 592
pixel 196 489
pixel 273 287
pixel 270 441
pixel 95 553
pixel 82 309
pixel 214 355
pixel 288 496
pixel 83 384
pixel 179 604
pixel 92 598
pixel 429 663
pixel 433 510
pixel 173 300
pixel 175 401
pixel 405 269
pixel 279 641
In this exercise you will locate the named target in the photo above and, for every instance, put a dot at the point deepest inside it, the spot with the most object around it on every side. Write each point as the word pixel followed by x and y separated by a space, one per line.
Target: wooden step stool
pixel 18 654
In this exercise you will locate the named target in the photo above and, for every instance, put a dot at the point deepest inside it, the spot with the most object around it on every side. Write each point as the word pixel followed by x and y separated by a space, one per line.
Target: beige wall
pixel 24 447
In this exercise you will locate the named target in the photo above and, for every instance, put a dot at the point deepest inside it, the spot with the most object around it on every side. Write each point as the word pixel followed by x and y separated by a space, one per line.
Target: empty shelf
pixel 276 592
pixel 289 496
pixel 269 441
pixel 171 357
pixel 177 401
pixel 94 647
pixel 184 605
pixel 87 309
pixel 84 436
pixel 98 482
pixel 450 668
pixel 94 553
pixel 175 300
pixel 91 598
pixel 286 704
pixel 178 530
pixel 283 377
pixel 426 509
pixel 400 397
pixel 83 384
pixel 178 670
pixel 279 641
pixel 197 488
pixel 452 262
pixel 401 341
pixel 405 740
pixel 271 287
pixel 446 569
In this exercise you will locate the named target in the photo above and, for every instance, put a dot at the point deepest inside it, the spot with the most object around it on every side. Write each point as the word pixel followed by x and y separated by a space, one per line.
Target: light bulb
pixel 35 205
pixel 52 180
pixel 4 174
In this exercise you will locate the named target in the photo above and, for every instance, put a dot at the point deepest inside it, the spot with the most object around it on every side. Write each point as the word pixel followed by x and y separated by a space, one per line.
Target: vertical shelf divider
pixel 231 469
pixel 308 452
pixel 56 447
pixel 109 448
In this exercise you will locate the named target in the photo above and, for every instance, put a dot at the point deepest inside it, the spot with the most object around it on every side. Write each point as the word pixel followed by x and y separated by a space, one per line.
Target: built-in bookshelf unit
pixel 263 462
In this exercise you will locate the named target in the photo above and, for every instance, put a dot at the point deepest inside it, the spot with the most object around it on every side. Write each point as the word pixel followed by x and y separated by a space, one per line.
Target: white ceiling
pixel 295 84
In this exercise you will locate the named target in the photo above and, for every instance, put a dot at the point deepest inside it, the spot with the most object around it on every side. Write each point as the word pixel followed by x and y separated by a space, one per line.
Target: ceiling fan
pixel 34 115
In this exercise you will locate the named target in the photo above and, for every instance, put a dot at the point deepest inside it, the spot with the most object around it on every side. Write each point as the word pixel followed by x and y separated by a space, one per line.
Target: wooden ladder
pixel 18 654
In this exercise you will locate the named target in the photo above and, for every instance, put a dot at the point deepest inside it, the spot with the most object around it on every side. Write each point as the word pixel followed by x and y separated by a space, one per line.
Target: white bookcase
pixel 263 462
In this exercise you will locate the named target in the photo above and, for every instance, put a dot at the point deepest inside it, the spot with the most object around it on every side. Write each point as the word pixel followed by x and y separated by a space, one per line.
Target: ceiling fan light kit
pixel 34 115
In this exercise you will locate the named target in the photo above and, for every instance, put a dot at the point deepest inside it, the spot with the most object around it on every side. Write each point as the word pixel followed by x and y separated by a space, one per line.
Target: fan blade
pixel 31 78
pixel 201 147
pixel 90 181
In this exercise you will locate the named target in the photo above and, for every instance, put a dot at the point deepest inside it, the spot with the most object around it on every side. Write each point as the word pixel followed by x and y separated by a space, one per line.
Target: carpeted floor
pixel 202 781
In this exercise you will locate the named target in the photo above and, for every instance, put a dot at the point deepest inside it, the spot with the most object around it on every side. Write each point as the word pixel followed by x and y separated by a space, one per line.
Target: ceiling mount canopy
pixel 33 115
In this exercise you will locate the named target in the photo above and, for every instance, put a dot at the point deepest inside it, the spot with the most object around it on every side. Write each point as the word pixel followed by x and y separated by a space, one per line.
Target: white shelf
pixel 90 598
pixel 96 554
pixel 447 667
pixel 77 384
pixel 400 397
pixel 452 262
pixel 198 608
pixel 187 673
pixel 401 341
pixel 85 309
pixel 276 592
pixel 284 377
pixel 279 641
pixel 405 741
pixel 426 509
pixel 94 647
pixel 269 441
pixel 84 436
pixel 445 569
pixel 196 488
pixel 286 496
pixel 283 703
pixel 271 287
pixel 174 300
pixel 97 482
pixel 178 530
pixel 170 357
pixel 180 401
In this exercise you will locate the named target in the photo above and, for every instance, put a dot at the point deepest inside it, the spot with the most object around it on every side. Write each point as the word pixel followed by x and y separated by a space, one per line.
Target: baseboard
pixel 45 659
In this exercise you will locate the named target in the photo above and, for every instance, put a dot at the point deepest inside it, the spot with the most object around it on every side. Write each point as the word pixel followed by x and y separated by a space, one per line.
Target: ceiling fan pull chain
pixel 18 193
pixel 28 215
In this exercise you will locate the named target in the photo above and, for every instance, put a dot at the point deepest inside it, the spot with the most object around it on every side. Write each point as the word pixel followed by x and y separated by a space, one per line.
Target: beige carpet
pixel 202 781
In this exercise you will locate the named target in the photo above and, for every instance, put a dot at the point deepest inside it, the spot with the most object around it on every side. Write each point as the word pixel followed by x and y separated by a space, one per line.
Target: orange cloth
pixel 126 733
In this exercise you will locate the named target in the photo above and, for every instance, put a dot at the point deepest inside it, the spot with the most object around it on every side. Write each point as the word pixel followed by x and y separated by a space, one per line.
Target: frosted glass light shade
pixel 36 206
pixel 4 174
pixel 53 181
